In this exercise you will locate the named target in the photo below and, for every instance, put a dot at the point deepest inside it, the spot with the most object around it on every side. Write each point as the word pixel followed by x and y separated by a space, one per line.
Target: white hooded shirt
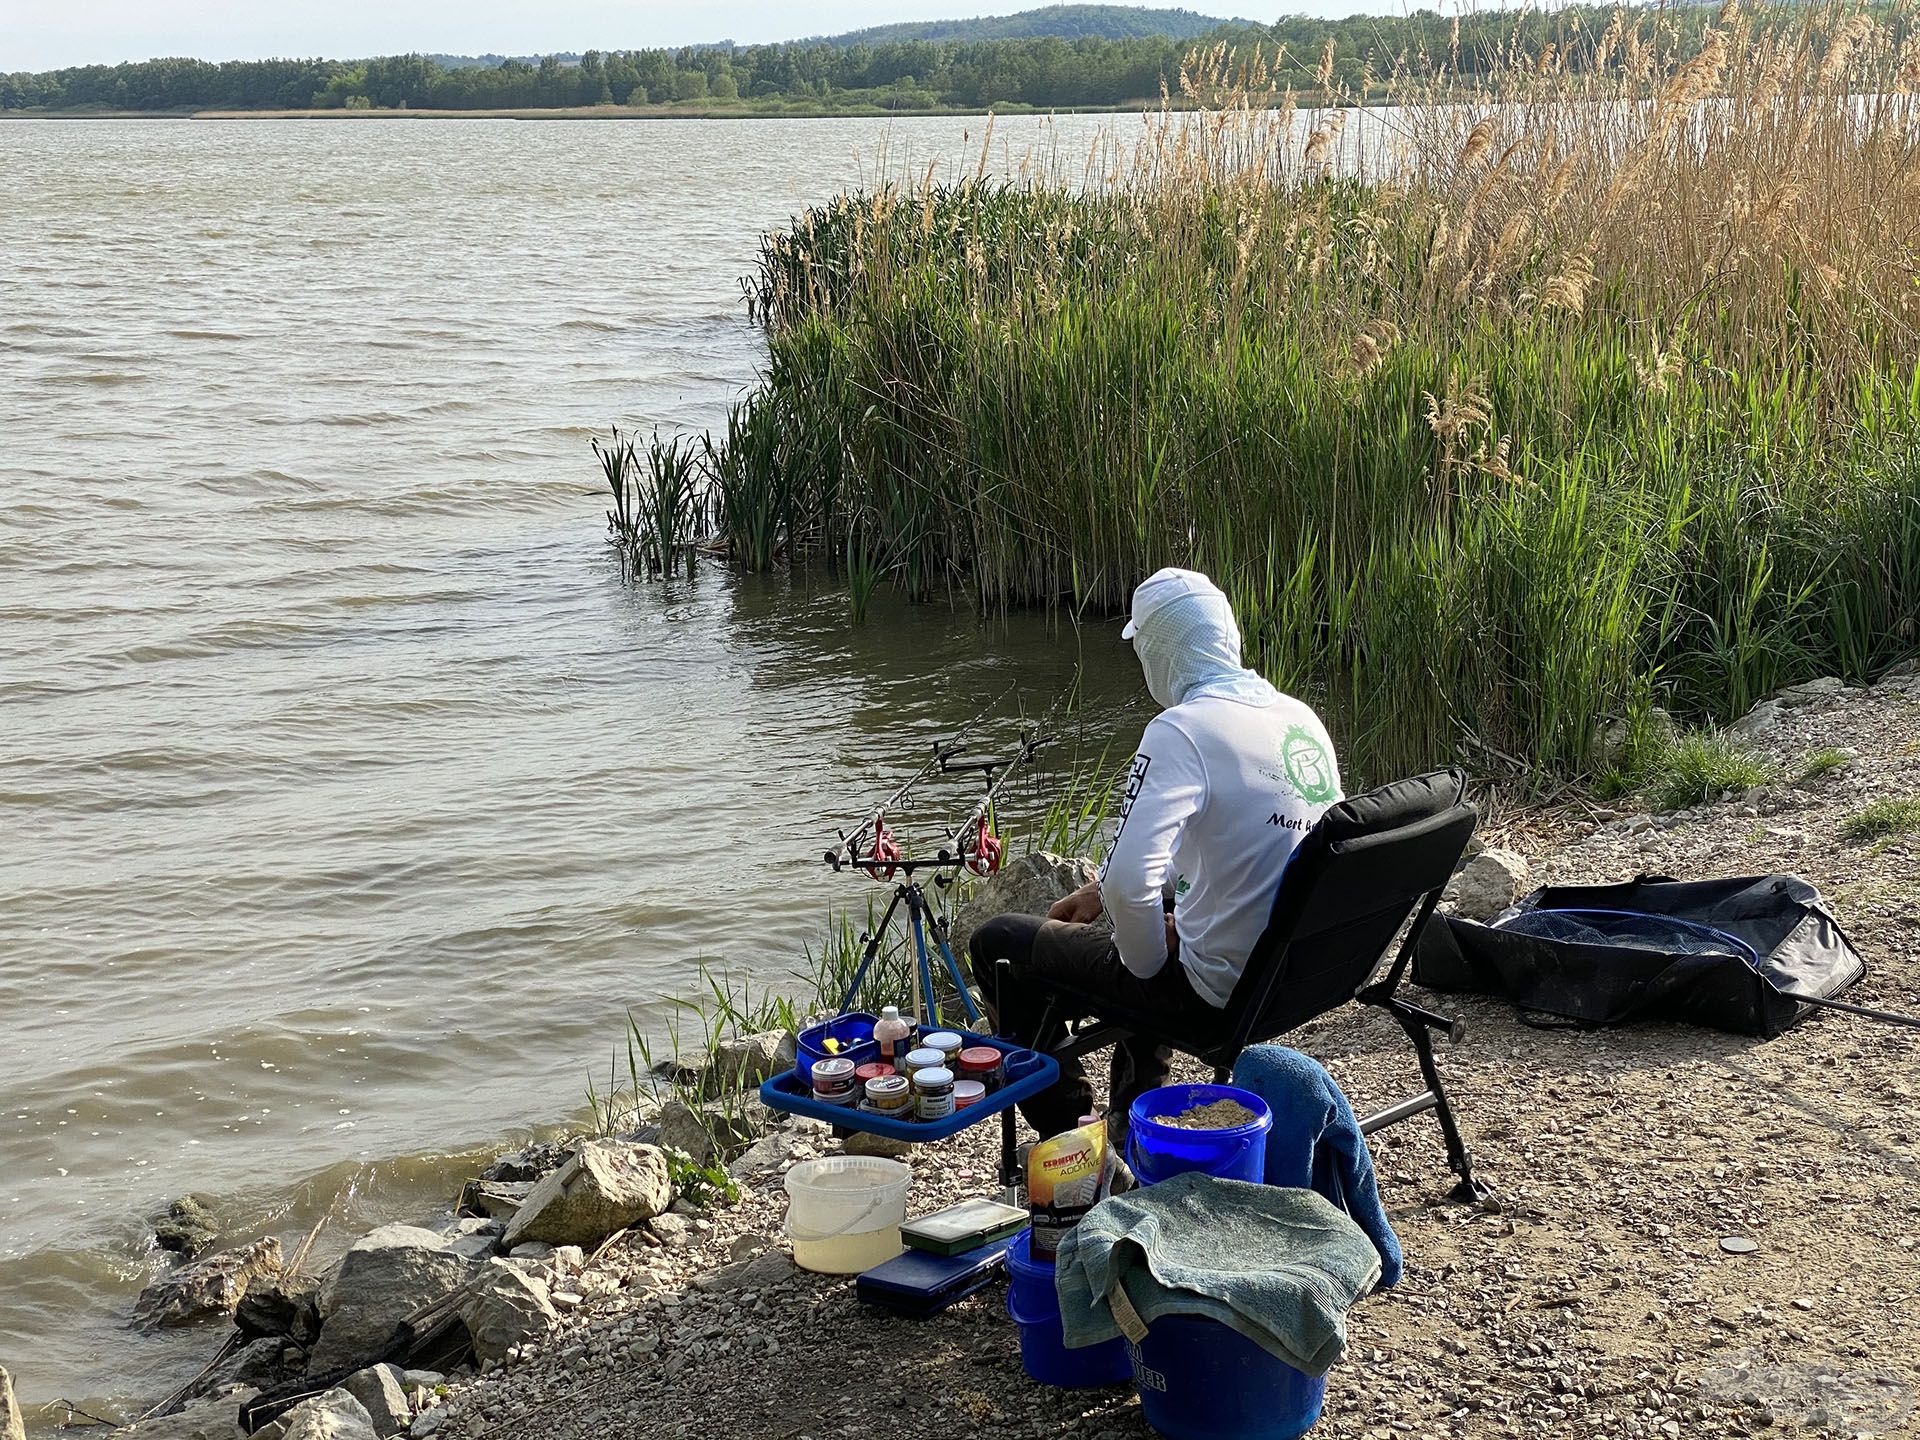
pixel 1225 782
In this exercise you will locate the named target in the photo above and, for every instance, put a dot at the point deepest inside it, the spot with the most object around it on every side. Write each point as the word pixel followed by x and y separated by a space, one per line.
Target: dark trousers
pixel 1084 957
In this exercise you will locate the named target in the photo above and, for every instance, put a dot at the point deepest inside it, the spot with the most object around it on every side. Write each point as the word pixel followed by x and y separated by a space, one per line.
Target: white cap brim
pixel 1128 630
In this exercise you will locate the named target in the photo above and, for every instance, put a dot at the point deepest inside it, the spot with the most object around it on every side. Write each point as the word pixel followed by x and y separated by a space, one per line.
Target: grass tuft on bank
pixel 1552 388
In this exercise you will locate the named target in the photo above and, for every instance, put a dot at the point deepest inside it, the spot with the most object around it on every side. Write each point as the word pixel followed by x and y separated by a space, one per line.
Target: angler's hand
pixel 1173 938
pixel 1082 907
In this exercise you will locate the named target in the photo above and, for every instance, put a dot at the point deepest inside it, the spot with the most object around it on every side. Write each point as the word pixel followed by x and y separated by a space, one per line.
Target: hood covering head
pixel 1189 646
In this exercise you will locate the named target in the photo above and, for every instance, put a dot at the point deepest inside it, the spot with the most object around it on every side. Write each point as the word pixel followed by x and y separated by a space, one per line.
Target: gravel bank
pixel 1591 1299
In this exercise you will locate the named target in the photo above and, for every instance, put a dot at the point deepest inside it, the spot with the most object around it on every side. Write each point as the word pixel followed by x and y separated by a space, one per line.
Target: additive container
pixel 1035 1307
pixel 1201 1380
pixel 1157 1151
pixel 844 1212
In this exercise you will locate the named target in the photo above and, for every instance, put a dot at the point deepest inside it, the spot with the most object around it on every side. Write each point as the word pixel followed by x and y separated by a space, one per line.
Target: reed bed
pixel 1516 403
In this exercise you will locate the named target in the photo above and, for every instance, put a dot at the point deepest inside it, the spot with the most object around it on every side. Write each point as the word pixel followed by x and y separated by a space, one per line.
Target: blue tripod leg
pixel 920 954
pixel 953 968
pixel 873 949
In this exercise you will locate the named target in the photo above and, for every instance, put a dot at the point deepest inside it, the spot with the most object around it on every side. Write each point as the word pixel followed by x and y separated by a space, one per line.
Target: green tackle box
pixel 963 1227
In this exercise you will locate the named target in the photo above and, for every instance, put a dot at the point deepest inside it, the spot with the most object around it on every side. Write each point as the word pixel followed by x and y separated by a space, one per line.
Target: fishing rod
pixel 848 850
pixel 872 848
pixel 976 829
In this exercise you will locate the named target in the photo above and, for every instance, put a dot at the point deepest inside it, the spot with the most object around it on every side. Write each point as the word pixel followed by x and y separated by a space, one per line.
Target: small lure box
pixel 963 1228
pixel 915 1285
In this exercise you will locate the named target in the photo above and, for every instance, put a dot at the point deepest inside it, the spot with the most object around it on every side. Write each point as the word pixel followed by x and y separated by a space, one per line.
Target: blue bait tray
pixel 1028 1073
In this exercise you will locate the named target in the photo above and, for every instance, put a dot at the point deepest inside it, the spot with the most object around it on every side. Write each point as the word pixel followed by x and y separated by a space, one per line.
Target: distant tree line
pixel 1046 72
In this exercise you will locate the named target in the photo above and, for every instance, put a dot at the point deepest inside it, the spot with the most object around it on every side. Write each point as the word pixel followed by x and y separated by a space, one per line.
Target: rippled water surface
pixel 348 798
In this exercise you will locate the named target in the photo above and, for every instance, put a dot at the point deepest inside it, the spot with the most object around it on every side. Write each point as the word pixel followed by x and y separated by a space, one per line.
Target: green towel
pixel 1281 1266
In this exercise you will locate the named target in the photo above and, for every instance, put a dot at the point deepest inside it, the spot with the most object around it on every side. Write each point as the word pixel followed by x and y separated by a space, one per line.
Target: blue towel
pixel 1282 1267
pixel 1316 1143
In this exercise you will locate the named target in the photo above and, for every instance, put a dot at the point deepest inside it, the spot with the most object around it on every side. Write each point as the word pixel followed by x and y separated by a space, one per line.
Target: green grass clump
pixel 1882 820
pixel 1823 761
pixel 1672 769
pixel 1703 765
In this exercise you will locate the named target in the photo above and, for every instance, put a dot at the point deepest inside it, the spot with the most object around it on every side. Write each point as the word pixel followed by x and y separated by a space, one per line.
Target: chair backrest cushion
pixel 1353 882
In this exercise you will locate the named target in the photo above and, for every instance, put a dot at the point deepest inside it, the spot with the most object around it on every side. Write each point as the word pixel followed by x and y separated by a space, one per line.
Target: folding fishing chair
pixel 1372 864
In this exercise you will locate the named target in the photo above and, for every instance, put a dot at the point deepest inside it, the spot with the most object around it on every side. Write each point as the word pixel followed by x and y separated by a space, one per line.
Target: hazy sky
pixel 44 34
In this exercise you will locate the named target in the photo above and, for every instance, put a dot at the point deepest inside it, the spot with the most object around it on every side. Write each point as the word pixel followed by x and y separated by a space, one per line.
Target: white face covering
pixel 1191 647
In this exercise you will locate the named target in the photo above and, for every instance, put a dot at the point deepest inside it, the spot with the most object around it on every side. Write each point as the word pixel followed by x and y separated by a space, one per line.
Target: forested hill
pixel 826 77
pixel 1066 22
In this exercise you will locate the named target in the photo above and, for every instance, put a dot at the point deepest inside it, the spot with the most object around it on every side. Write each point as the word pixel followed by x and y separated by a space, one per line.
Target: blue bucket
pixel 1035 1307
pixel 1201 1380
pixel 1157 1151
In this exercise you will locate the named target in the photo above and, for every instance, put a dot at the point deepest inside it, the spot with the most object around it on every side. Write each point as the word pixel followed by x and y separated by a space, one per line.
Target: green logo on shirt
pixel 1309 768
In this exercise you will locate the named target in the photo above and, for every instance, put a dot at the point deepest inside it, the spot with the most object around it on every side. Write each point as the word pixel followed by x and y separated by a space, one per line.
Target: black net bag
pixel 1749 955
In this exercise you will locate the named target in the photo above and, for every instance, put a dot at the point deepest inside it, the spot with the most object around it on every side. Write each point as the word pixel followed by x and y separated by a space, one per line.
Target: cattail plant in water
pixel 671 505
pixel 658 506
pixel 619 463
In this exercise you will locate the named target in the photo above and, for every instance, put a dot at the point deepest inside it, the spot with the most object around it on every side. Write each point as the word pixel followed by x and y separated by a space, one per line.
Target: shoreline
pixel 1576 1300
pixel 593 112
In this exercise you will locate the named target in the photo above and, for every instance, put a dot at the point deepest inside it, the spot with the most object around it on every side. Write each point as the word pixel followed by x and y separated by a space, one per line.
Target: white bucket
pixel 844 1212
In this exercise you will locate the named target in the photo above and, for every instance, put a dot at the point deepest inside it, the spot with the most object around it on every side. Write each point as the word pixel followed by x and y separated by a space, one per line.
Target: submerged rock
pixel 213 1286
pixel 506 1307
pixel 281 1305
pixel 188 1228
pixel 607 1186
pixel 1027 885
pixel 380 1282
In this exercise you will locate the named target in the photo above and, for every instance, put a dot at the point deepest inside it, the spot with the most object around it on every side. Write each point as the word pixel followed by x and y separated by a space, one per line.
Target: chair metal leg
pixel 1415 1022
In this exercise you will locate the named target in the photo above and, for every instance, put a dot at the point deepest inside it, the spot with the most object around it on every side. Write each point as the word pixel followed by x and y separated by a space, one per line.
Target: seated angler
pixel 1227 779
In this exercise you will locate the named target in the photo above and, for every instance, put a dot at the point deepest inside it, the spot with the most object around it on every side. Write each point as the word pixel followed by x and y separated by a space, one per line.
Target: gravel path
pixel 1592 1298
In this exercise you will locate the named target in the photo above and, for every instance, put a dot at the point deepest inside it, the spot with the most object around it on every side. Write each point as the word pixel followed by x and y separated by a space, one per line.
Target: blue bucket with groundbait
pixel 1035 1307
pixel 1158 1151
pixel 1201 1380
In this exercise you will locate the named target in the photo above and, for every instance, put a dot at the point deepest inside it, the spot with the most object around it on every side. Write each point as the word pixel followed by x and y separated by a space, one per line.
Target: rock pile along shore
pixel 598 1289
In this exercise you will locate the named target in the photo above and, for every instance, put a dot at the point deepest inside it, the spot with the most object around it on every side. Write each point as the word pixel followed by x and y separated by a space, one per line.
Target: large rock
pixel 207 1420
pixel 382 1393
pixel 505 1307
pixel 1812 692
pixel 770 1155
pixel 717 1128
pixel 12 1425
pixel 1759 723
pixel 202 1288
pixel 494 1199
pixel 607 1186
pixel 286 1305
pixel 1027 885
pixel 334 1415
pixel 1487 884
pixel 741 1062
pixel 381 1281
pixel 770 1268
pixel 529 1162
pixel 188 1227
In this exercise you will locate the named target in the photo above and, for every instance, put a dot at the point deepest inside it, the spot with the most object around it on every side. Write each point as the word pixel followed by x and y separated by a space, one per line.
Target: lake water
pixel 348 797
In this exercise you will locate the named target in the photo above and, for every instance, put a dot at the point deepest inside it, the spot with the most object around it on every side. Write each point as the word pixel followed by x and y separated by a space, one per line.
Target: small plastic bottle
pixel 895 1037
